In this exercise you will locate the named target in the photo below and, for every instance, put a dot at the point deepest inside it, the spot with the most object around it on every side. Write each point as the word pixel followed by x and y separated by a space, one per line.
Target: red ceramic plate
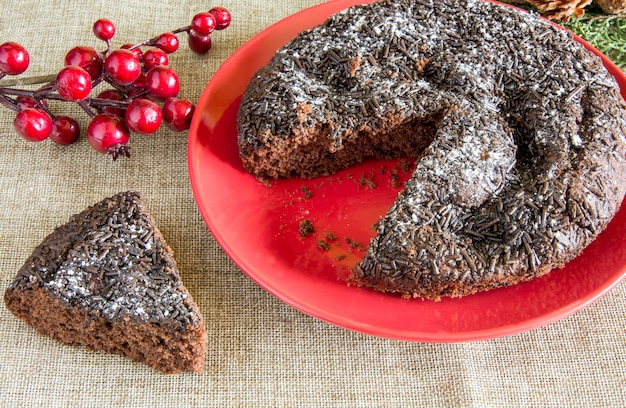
pixel 258 226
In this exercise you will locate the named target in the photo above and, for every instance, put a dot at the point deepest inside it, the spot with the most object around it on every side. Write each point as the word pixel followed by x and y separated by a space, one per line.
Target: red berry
pixel 177 113
pixel 33 124
pixel 154 57
pixel 222 17
pixel 65 130
pixel 26 102
pixel 104 29
pixel 143 116
pixel 139 83
pixel 203 23
pixel 137 51
pixel 162 82
pixel 14 58
pixel 122 67
pixel 108 134
pixel 113 95
pixel 168 42
pixel 87 58
pixel 200 44
pixel 73 83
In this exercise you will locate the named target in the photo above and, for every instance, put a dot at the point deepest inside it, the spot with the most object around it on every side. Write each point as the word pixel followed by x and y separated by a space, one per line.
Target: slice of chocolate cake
pixel 107 280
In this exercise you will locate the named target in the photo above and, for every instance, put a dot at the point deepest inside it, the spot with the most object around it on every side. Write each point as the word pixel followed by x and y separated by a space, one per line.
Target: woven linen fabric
pixel 261 352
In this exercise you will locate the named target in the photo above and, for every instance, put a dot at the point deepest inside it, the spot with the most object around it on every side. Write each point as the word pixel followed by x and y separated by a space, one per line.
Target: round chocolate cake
pixel 518 132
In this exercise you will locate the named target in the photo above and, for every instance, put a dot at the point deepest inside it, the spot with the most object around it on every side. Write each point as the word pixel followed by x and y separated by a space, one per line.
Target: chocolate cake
pixel 518 132
pixel 107 280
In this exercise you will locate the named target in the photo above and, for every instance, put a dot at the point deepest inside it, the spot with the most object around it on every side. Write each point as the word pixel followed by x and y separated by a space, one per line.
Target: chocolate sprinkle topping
pixel 110 261
pixel 518 130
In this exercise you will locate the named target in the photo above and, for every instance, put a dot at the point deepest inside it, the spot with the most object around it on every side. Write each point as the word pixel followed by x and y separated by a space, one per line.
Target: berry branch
pixel 139 82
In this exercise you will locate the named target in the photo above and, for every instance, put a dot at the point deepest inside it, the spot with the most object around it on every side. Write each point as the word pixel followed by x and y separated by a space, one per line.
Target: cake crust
pixel 519 132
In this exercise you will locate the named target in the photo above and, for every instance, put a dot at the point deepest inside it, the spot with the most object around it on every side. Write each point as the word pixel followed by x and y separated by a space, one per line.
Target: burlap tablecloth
pixel 261 352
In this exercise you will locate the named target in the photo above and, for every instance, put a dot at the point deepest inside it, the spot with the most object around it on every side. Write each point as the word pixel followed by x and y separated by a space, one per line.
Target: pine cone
pixel 560 9
pixel 612 6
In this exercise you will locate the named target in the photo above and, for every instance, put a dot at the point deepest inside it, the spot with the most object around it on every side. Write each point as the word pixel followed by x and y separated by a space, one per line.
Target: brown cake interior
pixel 166 349
pixel 311 153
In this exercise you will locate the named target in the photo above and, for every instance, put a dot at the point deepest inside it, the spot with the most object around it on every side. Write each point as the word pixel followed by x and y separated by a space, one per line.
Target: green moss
pixel 606 33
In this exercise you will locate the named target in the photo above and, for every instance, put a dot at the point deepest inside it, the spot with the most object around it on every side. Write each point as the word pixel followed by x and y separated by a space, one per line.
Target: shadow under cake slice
pixel 107 280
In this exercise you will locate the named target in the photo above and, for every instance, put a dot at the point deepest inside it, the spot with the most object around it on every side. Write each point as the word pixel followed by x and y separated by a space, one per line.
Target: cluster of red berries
pixel 139 81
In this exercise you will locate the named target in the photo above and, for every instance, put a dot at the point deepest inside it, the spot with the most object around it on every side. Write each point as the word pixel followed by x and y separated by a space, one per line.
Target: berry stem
pixel 28 80
pixel 5 101
pixel 85 105
pixel 152 41
pixel 50 86
pixel 50 82
pixel 45 92
pixel 97 81
pixel 118 88
pixel 140 44
pixel 39 98
pixel 42 105
pixel 182 30
pixel 104 103
pixel 38 95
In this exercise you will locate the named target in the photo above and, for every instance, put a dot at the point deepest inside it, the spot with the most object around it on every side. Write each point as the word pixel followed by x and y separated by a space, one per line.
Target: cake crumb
pixel 420 65
pixel 354 65
pixel 367 181
pixel 395 180
pixel 405 165
pixel 303 110
pixel 307 191
pixel 357 245
pixel 323 245
pixel 306 228
pixel 265 181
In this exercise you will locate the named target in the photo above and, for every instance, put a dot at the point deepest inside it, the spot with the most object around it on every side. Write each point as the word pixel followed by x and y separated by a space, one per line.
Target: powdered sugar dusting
pixel 108 261
pixel 528 151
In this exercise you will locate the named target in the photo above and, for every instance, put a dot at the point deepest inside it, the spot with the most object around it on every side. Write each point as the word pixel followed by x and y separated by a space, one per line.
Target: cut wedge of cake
pixel 107 280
